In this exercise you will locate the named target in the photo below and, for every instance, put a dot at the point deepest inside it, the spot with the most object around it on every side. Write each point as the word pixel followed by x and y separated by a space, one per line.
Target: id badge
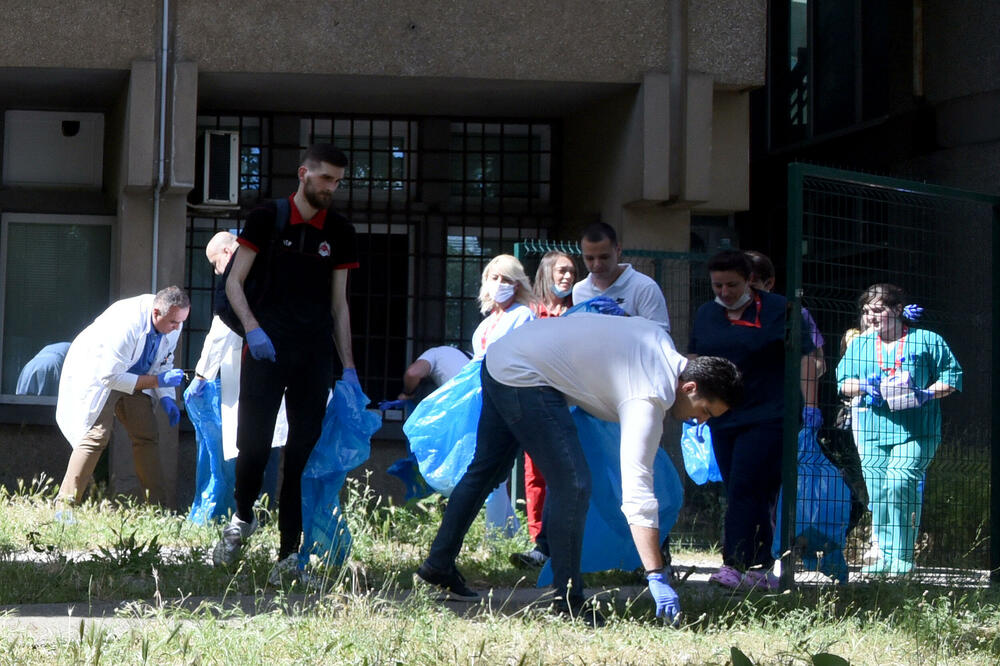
pixel 897 390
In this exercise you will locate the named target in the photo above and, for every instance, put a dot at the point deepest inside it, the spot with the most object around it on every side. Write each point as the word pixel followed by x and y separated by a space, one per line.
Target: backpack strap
pixel 283 214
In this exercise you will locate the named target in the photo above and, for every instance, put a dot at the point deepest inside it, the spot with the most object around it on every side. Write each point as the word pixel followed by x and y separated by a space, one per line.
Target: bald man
pixel 220 355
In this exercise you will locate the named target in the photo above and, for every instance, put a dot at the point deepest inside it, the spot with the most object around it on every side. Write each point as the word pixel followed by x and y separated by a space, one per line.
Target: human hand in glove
pixel 170 378
pixel 668 604
pixel 197 387
pixel 392 404
pixel 923 396
pixel 171 410
pixel 350 376
pixel 812 418
pixel 260 345
pixel 871 385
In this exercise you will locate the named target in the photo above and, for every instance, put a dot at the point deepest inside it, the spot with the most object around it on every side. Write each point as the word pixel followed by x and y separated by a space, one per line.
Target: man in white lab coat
pixel 122 366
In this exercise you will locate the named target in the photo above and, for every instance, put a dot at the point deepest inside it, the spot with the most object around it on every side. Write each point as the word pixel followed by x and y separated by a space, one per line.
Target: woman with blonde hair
pixel 506 298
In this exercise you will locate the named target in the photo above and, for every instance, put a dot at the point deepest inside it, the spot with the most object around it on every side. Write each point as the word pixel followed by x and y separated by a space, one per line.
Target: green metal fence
pixel 847 231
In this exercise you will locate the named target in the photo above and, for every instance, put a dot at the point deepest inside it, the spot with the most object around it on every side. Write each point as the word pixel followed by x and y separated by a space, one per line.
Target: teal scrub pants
pixel 893 475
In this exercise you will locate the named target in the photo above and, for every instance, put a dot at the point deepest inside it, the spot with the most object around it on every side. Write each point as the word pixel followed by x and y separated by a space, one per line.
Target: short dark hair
pixel 717 379
pixel 731 260
pixel 598 231
pixel 761 265
pixel 325 152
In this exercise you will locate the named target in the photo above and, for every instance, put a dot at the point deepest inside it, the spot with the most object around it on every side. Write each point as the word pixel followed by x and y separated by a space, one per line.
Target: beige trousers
pixel 135 411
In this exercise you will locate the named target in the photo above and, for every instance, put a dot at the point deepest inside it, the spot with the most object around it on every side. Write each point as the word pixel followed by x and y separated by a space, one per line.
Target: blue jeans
pixel 536 419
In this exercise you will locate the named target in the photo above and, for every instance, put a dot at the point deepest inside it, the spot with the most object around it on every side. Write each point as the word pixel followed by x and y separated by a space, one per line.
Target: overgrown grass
pixel 187 611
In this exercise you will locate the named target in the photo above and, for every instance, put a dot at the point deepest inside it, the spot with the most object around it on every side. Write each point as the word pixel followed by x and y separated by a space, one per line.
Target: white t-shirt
pixel 636 293
pixel 616 368
pixel 497 325
pixel 445 362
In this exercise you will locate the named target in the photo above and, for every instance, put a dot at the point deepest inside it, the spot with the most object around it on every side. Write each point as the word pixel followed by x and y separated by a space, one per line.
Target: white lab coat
pixel 221 355
pixel 98 362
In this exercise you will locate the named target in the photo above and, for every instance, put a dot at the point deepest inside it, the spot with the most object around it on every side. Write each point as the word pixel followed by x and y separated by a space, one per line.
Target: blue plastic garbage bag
pixel 344 443
pixel 699 457
pixel 607 539
pixel 214 476
pixel 442 429
pixel 405 469
pixel 501 521
pixel 822 511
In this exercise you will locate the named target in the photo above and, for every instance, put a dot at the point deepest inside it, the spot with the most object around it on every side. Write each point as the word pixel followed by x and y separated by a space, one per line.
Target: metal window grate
pixel 431 199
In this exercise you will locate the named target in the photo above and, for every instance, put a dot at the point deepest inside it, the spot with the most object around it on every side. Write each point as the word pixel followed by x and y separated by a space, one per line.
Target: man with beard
pixel 288 350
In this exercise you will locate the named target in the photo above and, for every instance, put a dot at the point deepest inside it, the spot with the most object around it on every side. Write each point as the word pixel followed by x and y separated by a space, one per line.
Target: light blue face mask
pixel 561 294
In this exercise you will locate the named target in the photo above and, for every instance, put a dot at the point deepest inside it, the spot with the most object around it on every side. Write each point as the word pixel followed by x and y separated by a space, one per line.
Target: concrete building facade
pixel 469 126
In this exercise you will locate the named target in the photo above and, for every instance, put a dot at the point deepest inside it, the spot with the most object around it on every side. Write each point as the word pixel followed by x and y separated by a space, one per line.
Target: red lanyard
pixel 900 348
pixel 750 324
pixel 489 328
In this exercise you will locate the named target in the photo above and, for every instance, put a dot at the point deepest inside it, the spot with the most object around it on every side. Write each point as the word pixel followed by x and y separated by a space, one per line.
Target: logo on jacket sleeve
pixel 324 249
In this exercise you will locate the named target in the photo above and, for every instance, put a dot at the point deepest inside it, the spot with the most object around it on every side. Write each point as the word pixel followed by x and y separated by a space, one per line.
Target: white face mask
pixel 740 302
pixel 501 291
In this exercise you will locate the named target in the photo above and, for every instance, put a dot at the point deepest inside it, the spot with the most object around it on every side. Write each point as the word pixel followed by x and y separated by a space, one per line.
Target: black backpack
pixel 255 285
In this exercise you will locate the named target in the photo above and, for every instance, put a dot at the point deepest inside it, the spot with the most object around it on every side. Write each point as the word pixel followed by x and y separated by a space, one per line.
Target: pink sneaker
pixel 726 576
pixel 758 579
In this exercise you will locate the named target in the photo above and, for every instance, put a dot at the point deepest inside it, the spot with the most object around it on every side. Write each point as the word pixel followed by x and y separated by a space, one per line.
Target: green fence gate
pixel 847 231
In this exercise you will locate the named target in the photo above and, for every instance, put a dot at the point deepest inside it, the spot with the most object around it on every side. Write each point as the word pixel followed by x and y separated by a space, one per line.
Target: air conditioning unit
pixel 218 158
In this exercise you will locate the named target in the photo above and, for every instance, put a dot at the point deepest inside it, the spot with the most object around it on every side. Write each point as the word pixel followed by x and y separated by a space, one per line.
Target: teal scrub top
pixel 928 359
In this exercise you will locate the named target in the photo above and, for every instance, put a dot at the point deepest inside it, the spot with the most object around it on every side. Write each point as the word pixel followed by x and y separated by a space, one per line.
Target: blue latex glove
pixel 923 396
pixel 196 387
pixel 605 305
pixel 351 377
pixel 913 312
pixel 812 418
pixel 871 386
pixel 392 404
pixel 668 604
pixel 260 345
pixel 170 378
pixel 173 413
pixel 600 305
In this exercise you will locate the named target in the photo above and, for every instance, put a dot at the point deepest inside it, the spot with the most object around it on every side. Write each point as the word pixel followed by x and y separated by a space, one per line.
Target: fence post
pixel 793 352
pixel 995 417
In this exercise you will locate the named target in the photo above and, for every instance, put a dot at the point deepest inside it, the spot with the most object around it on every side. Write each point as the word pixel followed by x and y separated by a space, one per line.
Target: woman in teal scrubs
pixel 901 372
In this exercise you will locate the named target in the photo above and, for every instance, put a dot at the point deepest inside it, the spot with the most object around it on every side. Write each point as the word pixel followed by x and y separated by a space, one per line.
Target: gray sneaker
pixel 285 571
pixel 230 546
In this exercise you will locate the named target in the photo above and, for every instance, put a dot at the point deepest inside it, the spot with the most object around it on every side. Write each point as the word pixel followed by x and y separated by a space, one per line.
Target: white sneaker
pixel 230 546
pixel 872 555
pixel 285 571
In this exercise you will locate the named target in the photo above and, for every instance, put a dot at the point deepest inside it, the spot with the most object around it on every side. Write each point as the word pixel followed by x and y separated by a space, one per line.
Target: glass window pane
pixel 58 278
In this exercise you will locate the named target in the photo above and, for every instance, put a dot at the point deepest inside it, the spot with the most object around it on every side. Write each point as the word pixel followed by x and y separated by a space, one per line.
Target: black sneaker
pixel 451 585
pixel 531 559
